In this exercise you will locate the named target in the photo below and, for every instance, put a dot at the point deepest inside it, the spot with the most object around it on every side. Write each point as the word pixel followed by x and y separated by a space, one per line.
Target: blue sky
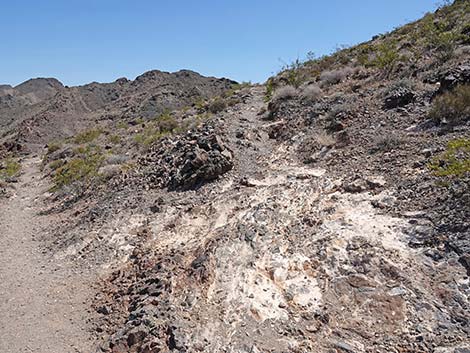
pixel 79 41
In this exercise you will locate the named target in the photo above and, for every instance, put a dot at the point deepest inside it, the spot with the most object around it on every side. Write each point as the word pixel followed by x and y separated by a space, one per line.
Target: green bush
pixel 114 139
pixel 53 147
pixel 270 87
pixel 87 136
pixel 387 56
pixel 166 123
pixel 452 107
pixel 217 105
pixel 9 168
pixel 82 168
pixel 455 161
pixel 149 136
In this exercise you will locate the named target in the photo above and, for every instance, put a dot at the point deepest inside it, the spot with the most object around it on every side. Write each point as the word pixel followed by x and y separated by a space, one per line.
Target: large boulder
pixel 453 77
pixel 188 161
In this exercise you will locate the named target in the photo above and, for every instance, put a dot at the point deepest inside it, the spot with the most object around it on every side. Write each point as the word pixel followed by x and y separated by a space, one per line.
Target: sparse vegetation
pixel 115 159
pixel 284 93
pixel 148 137
pixel 335 76
pixel 269 89
pixel 82 168
pixel 311 93
pixel 324 139
pixel 122 125
pixel 455 161
pixel 53 147
pixel 406 83
pixel 217 105
pixel 452 107
pixel 9 168
pixel 386 142
pixel 386 57
pixel 87 136
pixel 114 139
pixel 235 88
pixel 166 123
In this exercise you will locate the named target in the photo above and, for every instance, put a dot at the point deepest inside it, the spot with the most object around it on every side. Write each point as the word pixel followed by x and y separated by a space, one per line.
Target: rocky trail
pixel 43 302
pixel 277 256
pixel 326 210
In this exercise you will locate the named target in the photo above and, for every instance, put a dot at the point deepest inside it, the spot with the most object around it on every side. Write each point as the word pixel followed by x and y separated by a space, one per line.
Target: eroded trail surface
pixel 42 301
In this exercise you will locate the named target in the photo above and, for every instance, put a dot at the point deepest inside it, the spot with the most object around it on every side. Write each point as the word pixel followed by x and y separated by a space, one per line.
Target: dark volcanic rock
pixel 187 162
pixel 40 110
pixel 454 77
pixel 399 97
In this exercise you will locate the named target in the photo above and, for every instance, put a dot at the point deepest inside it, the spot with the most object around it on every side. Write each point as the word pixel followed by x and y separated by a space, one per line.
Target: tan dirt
pixel 43 302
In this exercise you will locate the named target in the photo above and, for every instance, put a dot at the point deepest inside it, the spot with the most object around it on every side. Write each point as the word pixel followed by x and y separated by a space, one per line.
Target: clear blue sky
pixel 79 41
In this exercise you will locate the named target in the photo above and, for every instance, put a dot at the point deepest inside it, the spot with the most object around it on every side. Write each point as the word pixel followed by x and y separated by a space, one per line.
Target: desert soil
pixel 43 301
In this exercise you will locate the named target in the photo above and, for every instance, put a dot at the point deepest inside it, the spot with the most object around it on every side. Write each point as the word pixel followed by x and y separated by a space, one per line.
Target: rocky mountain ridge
pixel 42 110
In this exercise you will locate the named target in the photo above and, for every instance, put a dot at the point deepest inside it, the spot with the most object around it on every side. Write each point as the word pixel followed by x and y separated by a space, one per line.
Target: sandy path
pixel 43 303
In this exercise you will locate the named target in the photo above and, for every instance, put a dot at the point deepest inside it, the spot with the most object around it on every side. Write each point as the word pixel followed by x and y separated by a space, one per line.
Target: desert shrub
pixel 452 107
pixel 149 136
pixel 386 142
pixel 284 93
pixel 9 168
pixel 293 72
pixel 294 78
pixel 364 52
pixel 386 57
pixel 53 147
pixel 445 44
pixel 115 159
pixel 322 138
pixel 342 110
pixel 336 76
pixel 438 35
pixel 337 114
pixel 233 101
pixel 405 83
pixel 109 171
pixel 87 136
pixel 122 124
pixel 166 123
pixel 114 139
pixel 269 89
pixel 54 165
pixel 200 104
pixel 454 161
pixel 217 105
pixel 311 93
pixel 331 77
pixel 235 88
pixel 82 168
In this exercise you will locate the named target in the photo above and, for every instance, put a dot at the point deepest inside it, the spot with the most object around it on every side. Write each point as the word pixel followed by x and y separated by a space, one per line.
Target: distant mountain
pixel 42 109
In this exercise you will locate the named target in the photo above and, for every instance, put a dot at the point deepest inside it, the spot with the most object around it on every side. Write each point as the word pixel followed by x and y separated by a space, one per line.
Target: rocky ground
pixel 325 211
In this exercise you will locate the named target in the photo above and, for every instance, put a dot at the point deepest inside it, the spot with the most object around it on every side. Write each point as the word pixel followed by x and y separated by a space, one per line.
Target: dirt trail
pixel 42 302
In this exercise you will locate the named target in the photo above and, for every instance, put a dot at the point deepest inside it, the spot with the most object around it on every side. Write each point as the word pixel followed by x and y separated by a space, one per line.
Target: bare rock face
pixel 188 162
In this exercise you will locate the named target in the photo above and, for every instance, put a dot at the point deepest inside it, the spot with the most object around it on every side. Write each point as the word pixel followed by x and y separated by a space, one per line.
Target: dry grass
pixel 324 139
pixel 311 93
pixel 452 107
pixel 284 93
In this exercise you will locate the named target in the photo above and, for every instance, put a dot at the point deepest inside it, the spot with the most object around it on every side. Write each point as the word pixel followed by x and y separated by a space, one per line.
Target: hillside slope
pixel 42 110
pixel 324 211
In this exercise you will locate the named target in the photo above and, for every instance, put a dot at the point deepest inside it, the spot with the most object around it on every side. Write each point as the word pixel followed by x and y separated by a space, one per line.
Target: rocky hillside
pixel 42 110
pixel 324 211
